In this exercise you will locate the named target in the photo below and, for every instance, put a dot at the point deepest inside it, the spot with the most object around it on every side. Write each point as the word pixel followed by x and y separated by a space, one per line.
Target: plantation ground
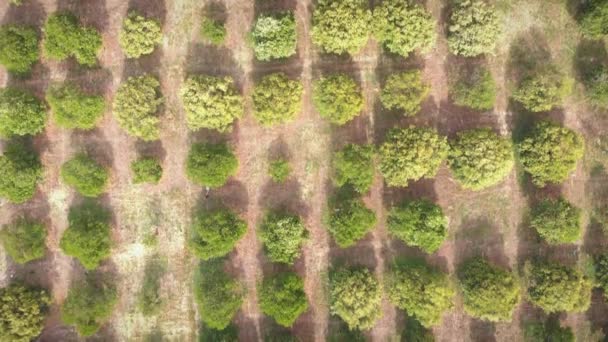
pixel 491 222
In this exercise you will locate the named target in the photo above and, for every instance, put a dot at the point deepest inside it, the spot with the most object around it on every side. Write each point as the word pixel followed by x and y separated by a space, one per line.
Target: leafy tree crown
pixel 73 108
pixel 283 236
pixel 88 306
pixel 341 26
pixel 146 170
pixel 139 35
pixel 405 91
pixel 213 31
pixel 419 223
pixel 21 113
pixel 18 48
pixel 214 234
pixel 20 172
pixel 356 297
pixel 85 175
pixel 274 36
pixel 64 37
pixel 282 297
pixel 22 312
pixel 337 98
pixel 276 99
pixel 349 220
pixel 211 164
pixel 24 240
pixel 354 166
pixel 136 107
pixel 475 90
pixel 557 221
pixel 473 29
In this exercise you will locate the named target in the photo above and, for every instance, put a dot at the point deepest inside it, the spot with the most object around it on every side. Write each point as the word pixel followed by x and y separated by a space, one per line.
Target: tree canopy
pixel 215 233
pixel 274 36
pixel 279 170
pixel 557 221
pixel 136 105
pixel 211 165
pixel 282 297
pixel 405 91
pixel 356 297
pixel 283 236
pixel 419 223
pixel 73 108
pixel 349 220
pixel 213 31
pixel 85 175
pixel 593 19
pixel 146 170
pixel 473 28
pixel 354 166
pixel 341 26
pixel 64 37
pixel 337 98
pixel 277 99
pixel 600 266
pixel 474 89
pixel 20 172
pixel 139 35
pixel 543 89
pixel 89 305
pixel 21 113
pixel 23 240
pixel 22 312
pixel 18 48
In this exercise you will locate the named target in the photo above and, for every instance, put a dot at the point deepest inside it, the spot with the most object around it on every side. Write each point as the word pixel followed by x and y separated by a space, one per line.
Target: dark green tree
pixel 349 220
pixel 89 305
pixel 283 236
pixel 23 240
pixel 64 37
pixel 146 170
pixel 20 172
pixel 474 89
pixel 274 36
pixel 73 108
pixel 85 175
pixel 211 165
pixel 557 221
pixel 215 233
pixel 282 297
pixel 21 113
pixel 405 91
pixel 593 19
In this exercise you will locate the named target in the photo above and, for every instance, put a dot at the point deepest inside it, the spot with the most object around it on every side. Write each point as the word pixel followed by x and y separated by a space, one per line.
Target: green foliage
pixel 488 292
pixel 20 172
pixel 276 99
pixel 356 297
pixel 211 102
pixel 139 35
pixel 349 220
pixel 214 234
pixel 136 107
pixel 282 297
pixel 211 165
pixel 554 287
pixel 403 26
pixel 405 91
pixel 419 223
pixel 16 2
pixel 593 19
pixel 228 334
pixel 411 153
pixel 596 86
pixel 73 108
pixel 549 152
pixel 213 31
pixel 24 240
pixel 283 236
pixel 217 295
pixel 21 113
pixel 274 36
pixel 480 158
pixel 279 170
pixel 557 221
pixel 474 89
pixel 341 26
pixel 354 166
pixel 64 37
pixel 473 29
pixel 415 332
pixel 18 48
pixel 149 300
pixel 88 306
pixel 543 90
pixel 549 331
pixel 600 265
pixel 424 293
pixel 85 175
pixel 22 313
pixel 337 98
pixel 146 170
pixel 88 235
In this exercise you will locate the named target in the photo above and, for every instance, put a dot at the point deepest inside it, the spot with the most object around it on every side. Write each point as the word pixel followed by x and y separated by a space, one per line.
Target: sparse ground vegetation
pixel 279 170
pixel 213 31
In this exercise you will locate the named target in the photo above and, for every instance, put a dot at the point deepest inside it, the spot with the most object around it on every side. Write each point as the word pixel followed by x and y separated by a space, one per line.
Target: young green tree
pixel 215 233
pixel 593 19
pixel 139 35
pixel 557 221
pixel 548 331
pixel 279 170
pixel 146 170
pixel 475 90
pixel 276 99
pixel 85 175
pixel 424 293
pixel 354 166
pixel 489 293
pixel 73 108
pixel 355 296
pixel 405 91
pixel 596 86
pixel 149 299
pixel 409 154
pixel 403 27
pixel 283 236
pixel 349 220
pixel 480 158
pixel 18 48
pixel 543 90
pixel 211 102
pixel 419 223
pixel 211 165
pixel 213 31
pixel 228 334
pixel 337 98
pixel 136 105
pixel 473 28
pixel 282 297
pixel 88 235
pixel 23 240
pixel 549 152
pixel 22 312
pixel 20 172
pixel 21 113
pixel 341 26
pixel 600 266
pixel 274 36
pixel 64 37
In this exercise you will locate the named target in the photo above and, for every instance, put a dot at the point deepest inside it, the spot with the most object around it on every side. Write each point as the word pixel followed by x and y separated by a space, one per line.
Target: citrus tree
pixel 341 26
pixel 85 175
pixel 283 236
pixel 139 35
pixel 89 305
pixel 136 105
pixel 282 297
pixel 543 89
pixel 211 165
pixel 20 172
pixel 354 166
pixel 557 221
pixel 21 113
pixel 405 91
pixel 276 99
pixel 337 98
pixel 474 89
pixel 18 48
pixel 73 108
pixel 215 233
pixel 64 37
pixel 349 220
pixel 473 28
pixel 274 36
pixel 356 297
pixel 419 223
pixel 22 312
pixel 23 240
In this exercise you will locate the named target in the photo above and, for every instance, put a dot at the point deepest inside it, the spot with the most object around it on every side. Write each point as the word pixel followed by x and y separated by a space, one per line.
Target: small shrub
pixel 489 292
pixel 405 91
pixel 554 288
pixel 543 90
pixel 88 306
pixel 548 331
pixel 213 31
pixel 211 102
pixel 480 158
pixel 596 86
pixel 24 240
pixel 282 297
pixel 549 153
pixel 283 236
pixel 274 36
pixel 337 98
pixel 139 35
pixel 600 265
pixel 349 220
pixel 149 299
pixel 403 27
pixel 146 170
pixel 85 175
pixel 73 108
pixel 211 165
pixel 475 90
pixel 354 166
pixel 341 26
pixel 16 2
pixel 22 312
pixel 424 293
pixel 557 221
pixel 356 297
pixel 593 19
pixel 18 48
pixel 279 170
pixel 415 332
pixel 64 37
pixel 136 107
pixel 473 29
pixel 20 172
pixel 21 113
pixel 419 223
pixel 276 99
pixel 410 154
pixel 88 235
pixel 214 234
pixel 228 334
